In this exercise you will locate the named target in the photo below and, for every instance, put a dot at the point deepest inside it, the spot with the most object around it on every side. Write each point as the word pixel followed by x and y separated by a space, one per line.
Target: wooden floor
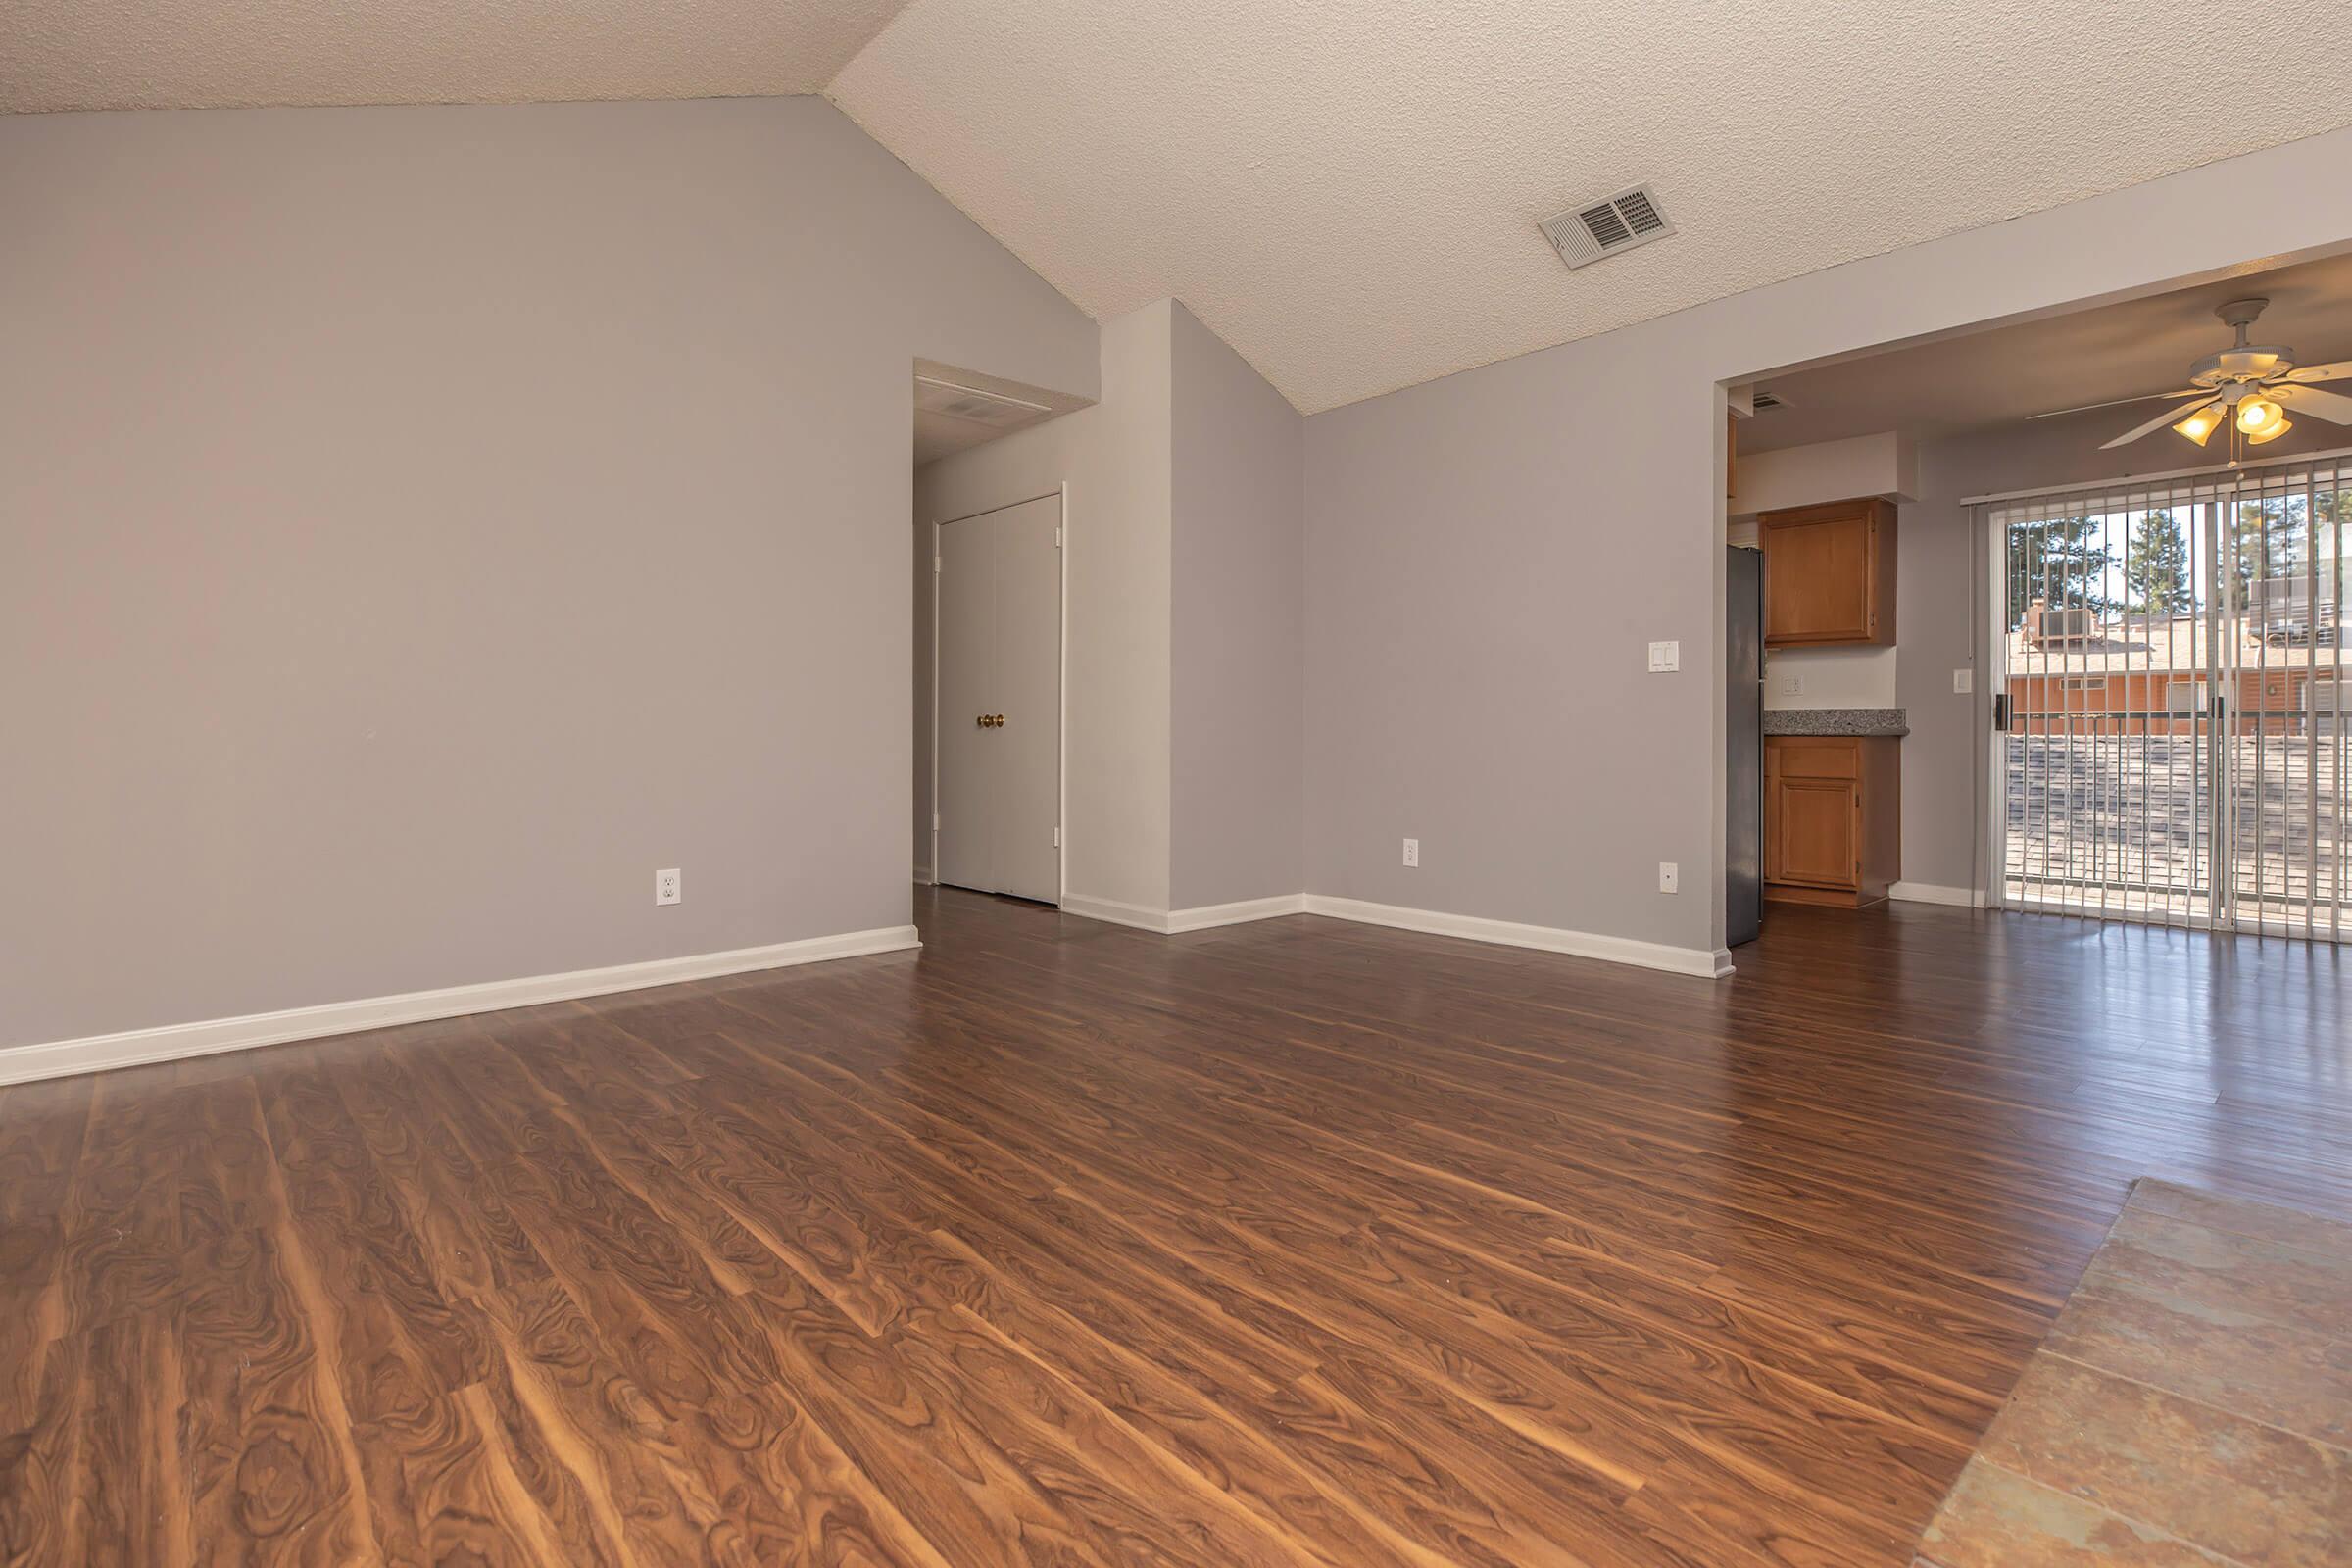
pixel 1295 1242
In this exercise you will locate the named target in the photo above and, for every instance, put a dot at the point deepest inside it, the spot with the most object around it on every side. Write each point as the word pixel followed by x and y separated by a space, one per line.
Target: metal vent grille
pixel 1586 233
pixel 1640 213
pixel 1765 399
pixel 1604 225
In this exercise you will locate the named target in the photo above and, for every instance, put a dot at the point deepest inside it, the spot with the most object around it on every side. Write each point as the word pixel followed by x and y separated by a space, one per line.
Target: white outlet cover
pixel 1670 877
pixel 1413 852
pixel 669 887
pixel 1964 680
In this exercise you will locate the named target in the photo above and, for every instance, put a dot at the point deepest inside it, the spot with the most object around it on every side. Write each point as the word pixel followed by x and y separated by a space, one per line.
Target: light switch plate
pixel 1665 658
pixel 1964 680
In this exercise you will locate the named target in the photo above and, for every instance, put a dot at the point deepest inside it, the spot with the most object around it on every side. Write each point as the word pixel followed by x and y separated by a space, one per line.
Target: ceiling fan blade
pixel 2116 402
pixel 2172 416
pixel 2321 372
pixel 2333 406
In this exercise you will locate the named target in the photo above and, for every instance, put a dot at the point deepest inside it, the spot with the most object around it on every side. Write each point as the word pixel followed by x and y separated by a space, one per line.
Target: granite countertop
pixel 1835 722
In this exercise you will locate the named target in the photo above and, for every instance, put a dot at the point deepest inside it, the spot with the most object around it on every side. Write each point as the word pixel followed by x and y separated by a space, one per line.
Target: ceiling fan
pixel 2249 386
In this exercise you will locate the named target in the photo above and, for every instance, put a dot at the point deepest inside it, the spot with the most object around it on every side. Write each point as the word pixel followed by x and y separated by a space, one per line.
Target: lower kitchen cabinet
pixel 1832 822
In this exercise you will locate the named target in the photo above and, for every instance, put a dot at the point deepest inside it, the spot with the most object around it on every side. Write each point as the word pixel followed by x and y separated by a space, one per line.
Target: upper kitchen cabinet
pixel 1829 573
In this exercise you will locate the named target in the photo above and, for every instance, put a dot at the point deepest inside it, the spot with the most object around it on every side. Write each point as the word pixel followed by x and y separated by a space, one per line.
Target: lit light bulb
pixel 2200 425
pixel 2273 433
pixel 2261 418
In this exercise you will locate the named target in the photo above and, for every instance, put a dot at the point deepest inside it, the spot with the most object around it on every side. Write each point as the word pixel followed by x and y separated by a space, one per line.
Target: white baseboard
pixel 1171 922
pixel 923 876
pixel 1205 915
pixel 171 1042
pixel 1506 933
pixel 1512 934
pixel 1118 914
pixel 1932 893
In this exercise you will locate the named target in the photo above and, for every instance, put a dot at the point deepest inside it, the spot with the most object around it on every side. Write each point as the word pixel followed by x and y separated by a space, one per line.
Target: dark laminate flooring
pixel 1295 1242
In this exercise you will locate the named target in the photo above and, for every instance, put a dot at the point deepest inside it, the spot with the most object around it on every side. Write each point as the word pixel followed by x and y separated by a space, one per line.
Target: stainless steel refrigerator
pixel 1744 747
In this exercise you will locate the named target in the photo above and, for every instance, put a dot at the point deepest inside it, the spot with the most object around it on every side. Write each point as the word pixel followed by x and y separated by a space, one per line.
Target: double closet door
pixel 999 700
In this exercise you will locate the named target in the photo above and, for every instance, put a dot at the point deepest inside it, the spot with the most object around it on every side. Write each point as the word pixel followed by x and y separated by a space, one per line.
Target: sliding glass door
pixel 2168 702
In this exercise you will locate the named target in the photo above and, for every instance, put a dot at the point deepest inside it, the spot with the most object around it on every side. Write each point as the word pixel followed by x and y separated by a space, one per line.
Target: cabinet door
pixel 1815 823
pixel 1818 579
pixel 1829 573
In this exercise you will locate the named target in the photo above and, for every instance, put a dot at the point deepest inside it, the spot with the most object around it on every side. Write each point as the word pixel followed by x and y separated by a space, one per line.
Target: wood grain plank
pixel 1295 1242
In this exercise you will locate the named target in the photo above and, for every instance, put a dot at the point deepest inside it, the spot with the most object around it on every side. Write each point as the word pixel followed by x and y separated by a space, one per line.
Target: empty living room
pixel 1282 782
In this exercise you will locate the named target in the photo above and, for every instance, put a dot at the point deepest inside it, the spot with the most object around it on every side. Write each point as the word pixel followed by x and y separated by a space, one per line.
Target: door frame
pixel 1061 740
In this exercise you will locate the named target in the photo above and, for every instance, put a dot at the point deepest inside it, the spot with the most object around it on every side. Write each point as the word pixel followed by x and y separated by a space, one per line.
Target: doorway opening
pixel 2113 687
pixel 992 460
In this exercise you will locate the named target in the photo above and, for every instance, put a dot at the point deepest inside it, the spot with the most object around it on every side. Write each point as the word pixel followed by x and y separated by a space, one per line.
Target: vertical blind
pixel 2168 655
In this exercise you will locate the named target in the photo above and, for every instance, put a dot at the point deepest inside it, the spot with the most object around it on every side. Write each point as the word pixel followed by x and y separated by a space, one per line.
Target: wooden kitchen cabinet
pixel 1833 824
pixel 1829 573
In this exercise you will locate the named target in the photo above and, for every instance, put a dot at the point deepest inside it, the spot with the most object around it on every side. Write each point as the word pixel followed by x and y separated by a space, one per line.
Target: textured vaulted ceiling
pixel 1346 190
pixel 177 54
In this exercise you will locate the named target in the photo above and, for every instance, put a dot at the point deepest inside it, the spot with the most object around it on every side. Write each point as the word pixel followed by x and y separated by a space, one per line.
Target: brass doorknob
pixel 981 721
pixel 997 722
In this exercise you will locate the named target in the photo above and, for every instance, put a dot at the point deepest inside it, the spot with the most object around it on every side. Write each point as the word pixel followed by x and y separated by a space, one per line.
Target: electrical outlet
pixel 1964 680
pixel 1792 684
pixel 668 887
pixel 1665 658
pixel 1670 877
pixel 1413 852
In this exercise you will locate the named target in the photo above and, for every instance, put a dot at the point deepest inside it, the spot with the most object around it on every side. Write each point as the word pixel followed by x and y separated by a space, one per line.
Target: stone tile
pixel 2231 1486
pixel 2242 1216
pixel 1994 1519
pixel 2251 1276
pixel 2274 1373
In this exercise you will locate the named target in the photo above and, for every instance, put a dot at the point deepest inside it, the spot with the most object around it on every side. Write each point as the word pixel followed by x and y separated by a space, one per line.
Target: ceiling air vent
pixel 973 404
pixel 1765 399
pixel 1585 235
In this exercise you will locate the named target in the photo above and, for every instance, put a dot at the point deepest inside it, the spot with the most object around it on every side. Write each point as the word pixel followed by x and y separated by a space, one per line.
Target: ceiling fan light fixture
pixel 2270 432
pixel 2200 425
pixel 2259 419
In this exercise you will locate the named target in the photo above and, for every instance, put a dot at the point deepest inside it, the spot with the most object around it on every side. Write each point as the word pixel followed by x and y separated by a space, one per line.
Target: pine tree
pixel 2062 562
pixel 2156 579
pixel 2270 542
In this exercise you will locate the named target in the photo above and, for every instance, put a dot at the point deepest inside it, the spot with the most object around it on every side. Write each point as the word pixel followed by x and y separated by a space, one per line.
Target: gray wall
pixel 1944 574
pixel 1487 554
pixel 418 525
pixel 1488 557
pixel 1116 459
pixel 1238 662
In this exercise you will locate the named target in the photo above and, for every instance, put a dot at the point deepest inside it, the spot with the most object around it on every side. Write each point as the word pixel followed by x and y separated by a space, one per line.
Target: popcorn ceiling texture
pixel 1346 191
pixel 180 54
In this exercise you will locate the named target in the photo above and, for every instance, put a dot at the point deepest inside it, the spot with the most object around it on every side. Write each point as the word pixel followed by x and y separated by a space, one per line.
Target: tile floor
pixel 2191 1406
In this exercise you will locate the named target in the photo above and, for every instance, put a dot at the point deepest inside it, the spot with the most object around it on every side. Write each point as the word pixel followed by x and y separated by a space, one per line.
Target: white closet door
pixel 1028 673
pixel 999 700
pixel 967 655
